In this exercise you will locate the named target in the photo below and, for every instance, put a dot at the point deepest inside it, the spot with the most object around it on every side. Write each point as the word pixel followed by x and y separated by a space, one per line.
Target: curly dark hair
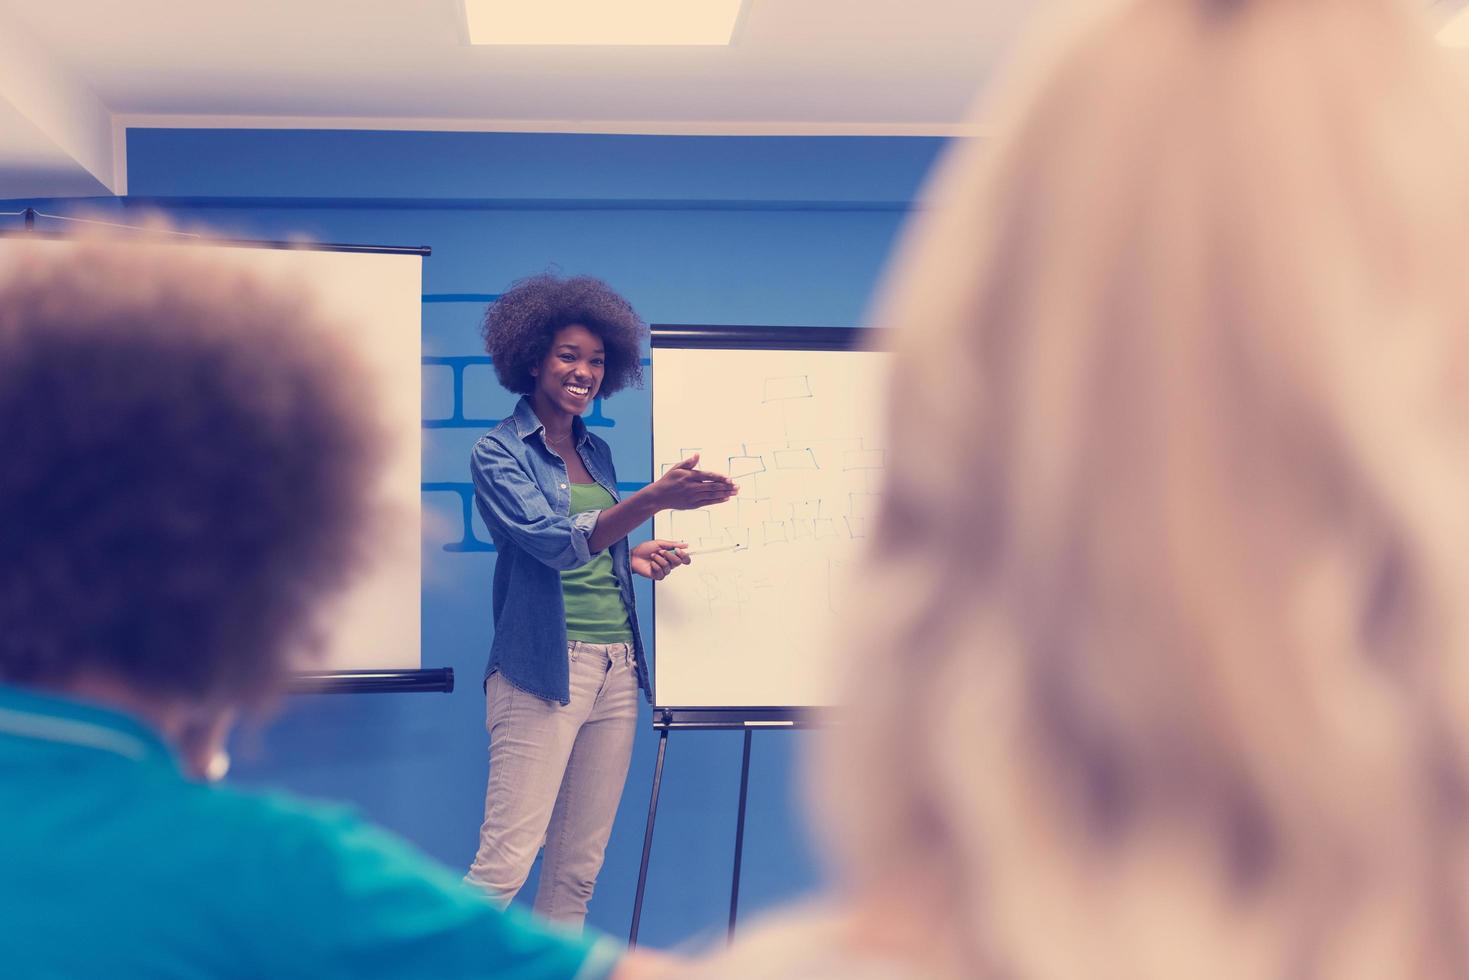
pixel 518 328
pixel 186 474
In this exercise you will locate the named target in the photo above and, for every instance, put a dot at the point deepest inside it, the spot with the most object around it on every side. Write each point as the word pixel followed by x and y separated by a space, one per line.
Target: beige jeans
pixel 556 775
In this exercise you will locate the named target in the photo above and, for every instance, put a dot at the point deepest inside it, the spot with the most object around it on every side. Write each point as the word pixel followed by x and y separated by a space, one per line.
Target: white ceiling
pixel 75 73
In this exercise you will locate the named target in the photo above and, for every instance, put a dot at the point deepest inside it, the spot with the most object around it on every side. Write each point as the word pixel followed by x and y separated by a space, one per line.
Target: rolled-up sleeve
pixel 509 497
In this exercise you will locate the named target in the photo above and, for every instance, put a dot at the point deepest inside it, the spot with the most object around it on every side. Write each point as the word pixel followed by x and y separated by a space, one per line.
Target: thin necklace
pixel 559 441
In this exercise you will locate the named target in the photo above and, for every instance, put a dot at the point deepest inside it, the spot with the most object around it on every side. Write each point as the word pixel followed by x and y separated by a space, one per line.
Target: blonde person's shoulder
pixel 803 943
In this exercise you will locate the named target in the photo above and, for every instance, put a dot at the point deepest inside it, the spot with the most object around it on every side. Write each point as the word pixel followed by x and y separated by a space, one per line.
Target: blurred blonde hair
pixel 1159 667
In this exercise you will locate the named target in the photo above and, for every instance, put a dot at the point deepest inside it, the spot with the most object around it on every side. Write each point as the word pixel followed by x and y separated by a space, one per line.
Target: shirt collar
pixel 528 423
pixel 45 717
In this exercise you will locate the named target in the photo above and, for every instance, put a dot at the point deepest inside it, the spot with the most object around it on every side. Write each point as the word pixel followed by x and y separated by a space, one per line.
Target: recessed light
pixel 664 22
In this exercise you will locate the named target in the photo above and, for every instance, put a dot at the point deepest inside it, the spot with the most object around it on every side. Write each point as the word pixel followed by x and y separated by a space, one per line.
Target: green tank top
pixel 594 609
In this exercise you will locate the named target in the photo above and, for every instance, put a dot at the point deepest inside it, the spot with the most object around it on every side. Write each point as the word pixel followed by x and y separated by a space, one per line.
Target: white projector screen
pixel 800 431
pixel 375 299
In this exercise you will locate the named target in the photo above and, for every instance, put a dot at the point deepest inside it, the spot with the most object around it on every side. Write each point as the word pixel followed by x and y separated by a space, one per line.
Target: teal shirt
pixel 593 599
pixel 113 864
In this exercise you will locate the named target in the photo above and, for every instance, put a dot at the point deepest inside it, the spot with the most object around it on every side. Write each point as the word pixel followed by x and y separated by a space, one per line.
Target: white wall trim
pixel 124 121
pixel 119 156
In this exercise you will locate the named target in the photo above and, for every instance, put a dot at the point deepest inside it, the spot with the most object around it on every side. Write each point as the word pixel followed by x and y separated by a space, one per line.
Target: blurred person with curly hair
pixel 183 493
pixel 567 660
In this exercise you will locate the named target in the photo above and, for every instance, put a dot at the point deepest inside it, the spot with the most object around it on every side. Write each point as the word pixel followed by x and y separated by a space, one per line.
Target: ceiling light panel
pixel 661 22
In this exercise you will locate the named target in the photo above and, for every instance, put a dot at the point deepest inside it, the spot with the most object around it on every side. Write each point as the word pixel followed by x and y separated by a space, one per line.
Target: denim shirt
pixel 522 491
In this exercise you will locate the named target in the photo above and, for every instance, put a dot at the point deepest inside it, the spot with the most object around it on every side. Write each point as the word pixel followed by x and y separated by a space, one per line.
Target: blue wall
pixel 727 230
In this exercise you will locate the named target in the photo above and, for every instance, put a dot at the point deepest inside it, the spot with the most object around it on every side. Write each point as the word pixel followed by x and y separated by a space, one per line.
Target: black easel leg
pixel 734 887
pixel 637 905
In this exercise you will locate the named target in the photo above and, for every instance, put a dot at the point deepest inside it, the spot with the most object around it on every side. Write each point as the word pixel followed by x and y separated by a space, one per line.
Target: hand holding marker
pixel 655 559
pixel 709 551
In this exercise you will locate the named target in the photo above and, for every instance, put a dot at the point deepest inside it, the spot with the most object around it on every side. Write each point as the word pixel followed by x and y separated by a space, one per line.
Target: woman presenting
pixel 567 659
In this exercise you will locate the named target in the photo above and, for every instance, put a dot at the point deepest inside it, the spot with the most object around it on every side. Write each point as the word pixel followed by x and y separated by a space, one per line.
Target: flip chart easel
pixel 793 415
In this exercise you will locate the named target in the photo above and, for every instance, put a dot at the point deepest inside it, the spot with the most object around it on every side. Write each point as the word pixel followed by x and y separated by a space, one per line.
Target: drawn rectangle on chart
pixel 795 459
pixel 686 525
pixel 806 509
pixel 753 628
pixel 742 466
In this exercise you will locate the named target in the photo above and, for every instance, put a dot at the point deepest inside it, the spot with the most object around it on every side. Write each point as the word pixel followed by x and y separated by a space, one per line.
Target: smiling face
pixel 570 375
